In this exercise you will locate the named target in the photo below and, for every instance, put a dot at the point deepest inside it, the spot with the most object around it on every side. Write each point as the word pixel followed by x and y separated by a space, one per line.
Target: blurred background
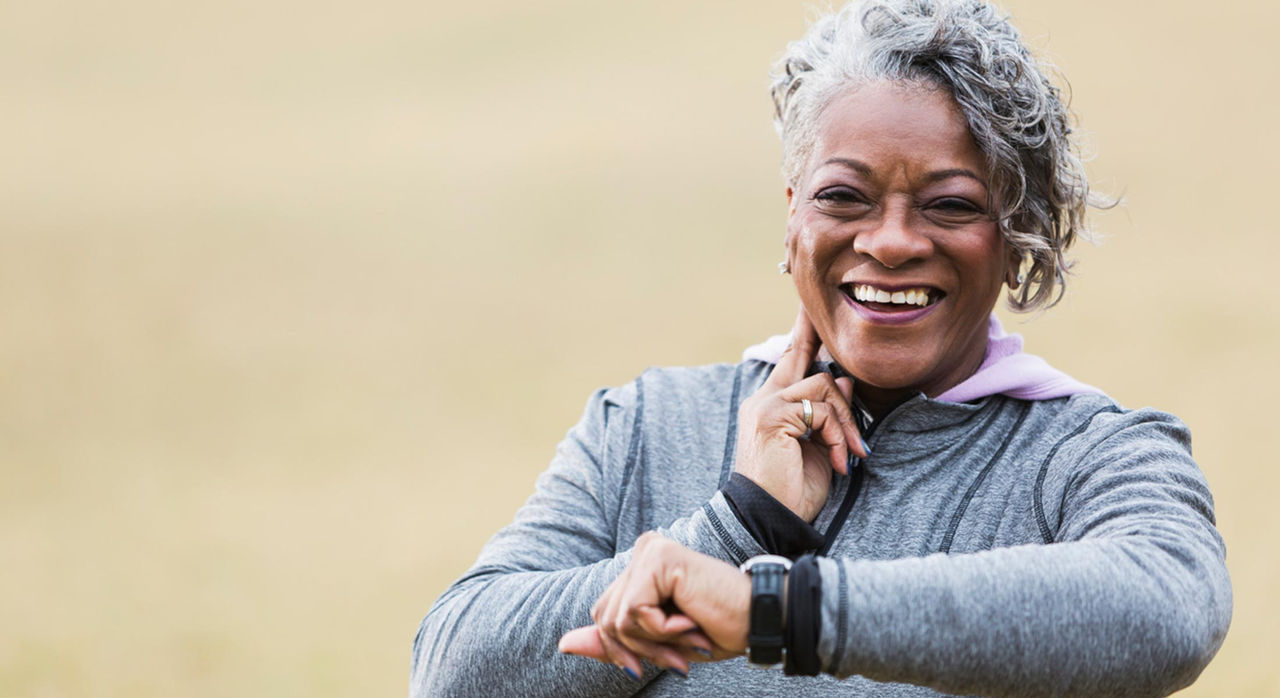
pixel 297 297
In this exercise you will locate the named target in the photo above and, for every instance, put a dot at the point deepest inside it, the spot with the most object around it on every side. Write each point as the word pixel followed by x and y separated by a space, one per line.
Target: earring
pixel 783 268
pixel 1015 280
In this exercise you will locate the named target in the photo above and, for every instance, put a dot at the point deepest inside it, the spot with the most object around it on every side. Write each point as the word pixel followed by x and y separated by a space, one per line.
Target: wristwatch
pixel 768 607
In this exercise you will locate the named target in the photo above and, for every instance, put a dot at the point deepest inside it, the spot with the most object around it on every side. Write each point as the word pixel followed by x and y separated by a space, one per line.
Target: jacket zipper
pixel 866 427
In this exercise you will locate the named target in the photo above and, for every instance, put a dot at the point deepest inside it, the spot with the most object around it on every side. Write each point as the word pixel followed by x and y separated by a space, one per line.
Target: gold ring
pixel 808 417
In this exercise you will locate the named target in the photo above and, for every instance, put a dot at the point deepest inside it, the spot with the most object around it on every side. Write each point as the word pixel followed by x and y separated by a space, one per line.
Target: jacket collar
pixel 1006 370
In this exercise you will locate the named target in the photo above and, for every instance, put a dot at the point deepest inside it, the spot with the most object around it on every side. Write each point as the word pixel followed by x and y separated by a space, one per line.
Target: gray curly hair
pixel 1016 115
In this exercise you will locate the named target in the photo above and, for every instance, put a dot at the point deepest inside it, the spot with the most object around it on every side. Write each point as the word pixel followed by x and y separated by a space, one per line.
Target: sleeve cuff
pixel 804 618
pixel 775 527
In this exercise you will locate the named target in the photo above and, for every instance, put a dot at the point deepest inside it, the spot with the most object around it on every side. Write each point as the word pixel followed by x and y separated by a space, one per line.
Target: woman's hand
pixel 637 618
pixel 773 450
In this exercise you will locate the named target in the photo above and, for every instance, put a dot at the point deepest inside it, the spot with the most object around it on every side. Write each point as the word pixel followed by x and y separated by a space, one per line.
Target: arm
pixel 495 630
pixel 1131 598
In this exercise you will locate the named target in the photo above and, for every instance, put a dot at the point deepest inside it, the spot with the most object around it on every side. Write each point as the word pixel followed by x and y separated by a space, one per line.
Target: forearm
pixel 495 633
pixel 717 531
pixel 1118 616
pixel 496 630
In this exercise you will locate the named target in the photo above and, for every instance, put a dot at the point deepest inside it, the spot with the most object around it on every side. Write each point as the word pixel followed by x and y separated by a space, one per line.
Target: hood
pixel 1006 370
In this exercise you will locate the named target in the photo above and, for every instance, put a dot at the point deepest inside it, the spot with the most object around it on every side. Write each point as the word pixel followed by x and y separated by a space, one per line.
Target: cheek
pixel 813 242
pixel 997 257
pixel 982 261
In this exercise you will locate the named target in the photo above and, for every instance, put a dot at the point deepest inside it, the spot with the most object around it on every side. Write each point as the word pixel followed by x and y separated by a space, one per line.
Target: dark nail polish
pixel 704 652
pixel 677 672
pixel 866 447
pixel 848 463
pixel 630 672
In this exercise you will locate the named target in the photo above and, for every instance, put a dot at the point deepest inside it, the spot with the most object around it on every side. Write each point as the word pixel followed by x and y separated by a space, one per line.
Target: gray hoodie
pixel 997 547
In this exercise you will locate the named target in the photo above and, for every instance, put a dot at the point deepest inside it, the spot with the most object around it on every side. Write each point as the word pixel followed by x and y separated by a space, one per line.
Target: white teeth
pixel 914 296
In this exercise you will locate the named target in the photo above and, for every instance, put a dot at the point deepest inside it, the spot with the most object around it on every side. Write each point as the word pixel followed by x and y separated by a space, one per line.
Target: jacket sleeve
pixel 1130 598
pixel 495 630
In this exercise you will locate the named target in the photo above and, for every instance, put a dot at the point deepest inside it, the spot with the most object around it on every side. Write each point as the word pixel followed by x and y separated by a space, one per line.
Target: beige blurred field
pixel 296 298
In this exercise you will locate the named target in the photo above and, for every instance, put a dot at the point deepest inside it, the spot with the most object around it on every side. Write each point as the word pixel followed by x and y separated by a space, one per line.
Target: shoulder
pixel 1097 459
pixel 1089 421
pixel 669 410
pixel 686 388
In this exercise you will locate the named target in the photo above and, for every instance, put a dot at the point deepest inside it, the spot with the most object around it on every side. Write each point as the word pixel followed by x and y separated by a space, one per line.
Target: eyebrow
pixel 864 169
pixel 954 172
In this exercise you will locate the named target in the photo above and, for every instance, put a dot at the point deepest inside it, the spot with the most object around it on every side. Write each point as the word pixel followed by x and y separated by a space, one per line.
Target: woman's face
pixel 892 247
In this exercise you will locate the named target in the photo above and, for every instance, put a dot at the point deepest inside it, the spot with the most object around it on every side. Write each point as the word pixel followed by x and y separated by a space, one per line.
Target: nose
pixel 892 239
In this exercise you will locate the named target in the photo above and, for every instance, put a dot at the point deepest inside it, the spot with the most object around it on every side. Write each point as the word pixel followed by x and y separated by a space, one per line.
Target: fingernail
pixel 866 447
pixel 848 463
pixel 630 672
pixel 677 672
pixel 703 651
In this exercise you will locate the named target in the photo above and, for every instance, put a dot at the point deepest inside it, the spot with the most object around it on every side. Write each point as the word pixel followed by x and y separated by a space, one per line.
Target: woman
pixel 966 519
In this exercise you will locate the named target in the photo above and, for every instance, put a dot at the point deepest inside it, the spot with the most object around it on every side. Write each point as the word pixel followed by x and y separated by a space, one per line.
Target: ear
pixel 789 238
pixel 791 212
pixel 1013 267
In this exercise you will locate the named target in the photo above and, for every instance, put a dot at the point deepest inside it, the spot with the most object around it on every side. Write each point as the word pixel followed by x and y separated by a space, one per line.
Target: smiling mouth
pixel 896 300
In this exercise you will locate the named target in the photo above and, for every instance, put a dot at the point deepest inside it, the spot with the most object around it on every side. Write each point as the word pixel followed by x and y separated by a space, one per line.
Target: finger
pixel 678 631
pixel 636 600
pixel 590 642
pixel 822 388
pixel 829 431
pixel 605 613
pixel 667 656
pixel 656 624
pixel 859 444
pixel 678 624
pixel 681 633
pixel 699 647
pixel 845 385
pixel 584 642
pixel 826 430
pixel 636 621
pixel 621 657
pixel 795 361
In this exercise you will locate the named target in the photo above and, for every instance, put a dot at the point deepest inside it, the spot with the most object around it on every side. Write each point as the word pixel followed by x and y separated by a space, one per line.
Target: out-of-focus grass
pixel 296 299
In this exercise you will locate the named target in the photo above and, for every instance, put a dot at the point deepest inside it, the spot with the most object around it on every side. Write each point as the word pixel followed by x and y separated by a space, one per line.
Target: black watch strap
pixel 768 584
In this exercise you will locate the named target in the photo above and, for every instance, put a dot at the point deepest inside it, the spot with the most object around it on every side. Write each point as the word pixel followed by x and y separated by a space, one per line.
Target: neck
pixel 880 401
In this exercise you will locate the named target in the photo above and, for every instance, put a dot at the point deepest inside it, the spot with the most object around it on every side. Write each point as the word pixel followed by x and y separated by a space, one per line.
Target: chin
pixel 888 372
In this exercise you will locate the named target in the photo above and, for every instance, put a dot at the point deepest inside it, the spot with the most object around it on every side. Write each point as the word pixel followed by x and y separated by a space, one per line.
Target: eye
pixel 953 209
pixel 840 199
pixel 952 203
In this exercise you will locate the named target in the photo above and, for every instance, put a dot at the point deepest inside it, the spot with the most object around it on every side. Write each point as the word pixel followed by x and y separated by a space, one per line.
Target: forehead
pixel 892 125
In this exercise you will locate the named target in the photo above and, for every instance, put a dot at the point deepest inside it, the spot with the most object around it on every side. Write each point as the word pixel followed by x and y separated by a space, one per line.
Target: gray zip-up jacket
pixel 999 547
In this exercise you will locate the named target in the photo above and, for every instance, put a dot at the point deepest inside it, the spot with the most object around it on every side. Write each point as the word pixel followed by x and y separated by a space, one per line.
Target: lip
pixel 891 287
pixel 900 317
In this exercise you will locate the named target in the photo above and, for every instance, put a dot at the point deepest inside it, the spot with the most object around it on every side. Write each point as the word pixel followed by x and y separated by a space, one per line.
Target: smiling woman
pixel 895 254
pixel 916 505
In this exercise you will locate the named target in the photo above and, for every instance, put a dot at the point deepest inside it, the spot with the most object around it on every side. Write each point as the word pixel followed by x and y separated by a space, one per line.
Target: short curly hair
pixel 1016 115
